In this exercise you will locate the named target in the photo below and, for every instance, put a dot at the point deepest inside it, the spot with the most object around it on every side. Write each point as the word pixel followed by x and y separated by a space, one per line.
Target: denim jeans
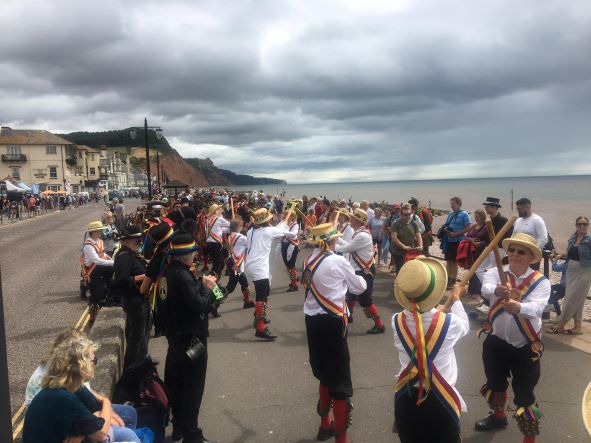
pixel 129 416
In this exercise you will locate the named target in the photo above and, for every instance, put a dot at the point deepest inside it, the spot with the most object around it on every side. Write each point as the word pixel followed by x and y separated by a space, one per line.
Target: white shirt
pixel 361 244
pixel 333 278
pixel 91 256
pixel 370 213
pixel 239 248
pixel 419 223
pixel 505 327
pixel 445 360
pixel 533 225
pixel 220 226
pixel 348 233
pixel 259 248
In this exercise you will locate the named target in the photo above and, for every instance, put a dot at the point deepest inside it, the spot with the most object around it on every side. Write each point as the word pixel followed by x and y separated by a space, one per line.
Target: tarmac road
pixel 265 392
pixel 40 277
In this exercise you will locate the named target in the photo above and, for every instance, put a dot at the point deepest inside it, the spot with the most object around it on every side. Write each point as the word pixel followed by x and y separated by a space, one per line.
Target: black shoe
pixel 215 314
pixel 177 433
pixel 377 330
pixel 248 305
pixel 350 319
pixel 491 422
pixel 291 288
pixel 266 334
pixel 326 434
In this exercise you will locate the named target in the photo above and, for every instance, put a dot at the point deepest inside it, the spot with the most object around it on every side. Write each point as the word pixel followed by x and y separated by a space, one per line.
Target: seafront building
pixel 38 157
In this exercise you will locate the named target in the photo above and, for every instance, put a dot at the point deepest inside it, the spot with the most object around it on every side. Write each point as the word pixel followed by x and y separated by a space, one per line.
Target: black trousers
pixel 214 251
pixel 428 423
pixel 100 278
pixel 294 256
pixel 398 262
pixel 329 354
pixel 365 299
pixel 262 289
pixel 235 279
pixel 185 380
pixel 137 328
pixel 501 361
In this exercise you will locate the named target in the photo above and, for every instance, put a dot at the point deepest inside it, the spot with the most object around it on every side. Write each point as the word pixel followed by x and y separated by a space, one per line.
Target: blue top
pixel 456 221
pixel 584 249
pixel 55 414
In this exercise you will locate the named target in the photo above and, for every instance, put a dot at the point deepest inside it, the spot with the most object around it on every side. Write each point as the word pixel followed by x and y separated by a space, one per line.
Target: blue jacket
pixel 584 249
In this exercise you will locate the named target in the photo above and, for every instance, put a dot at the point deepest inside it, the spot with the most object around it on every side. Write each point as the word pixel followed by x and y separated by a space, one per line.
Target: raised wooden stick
pixel 232 207
pixel 303 215
pixel 494 242
pixel 498 260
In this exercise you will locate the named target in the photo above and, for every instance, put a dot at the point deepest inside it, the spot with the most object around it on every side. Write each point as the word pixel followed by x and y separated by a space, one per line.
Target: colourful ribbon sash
pixel 422 362
pixel 308 270
pixel 87 270
pixel 366 267
pixel 238 259
pixel 525 327
pixel 210 233
pixel 295 242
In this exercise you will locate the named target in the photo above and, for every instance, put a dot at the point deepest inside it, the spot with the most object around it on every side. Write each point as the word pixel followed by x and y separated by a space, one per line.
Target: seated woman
pixel 63 408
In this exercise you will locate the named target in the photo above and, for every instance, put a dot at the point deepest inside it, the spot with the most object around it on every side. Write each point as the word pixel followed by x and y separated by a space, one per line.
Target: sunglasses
pixel 406 214
pixel 517 251
pixel 94 361
pixel 582 224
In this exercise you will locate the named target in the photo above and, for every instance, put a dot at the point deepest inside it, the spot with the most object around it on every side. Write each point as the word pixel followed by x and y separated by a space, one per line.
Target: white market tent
pixel 11 187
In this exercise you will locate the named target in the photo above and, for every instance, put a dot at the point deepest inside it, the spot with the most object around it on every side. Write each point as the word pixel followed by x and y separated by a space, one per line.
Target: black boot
pixel 215 313
pixel 491 422
pixel 326 434
pixel 266 334
pixel 83 289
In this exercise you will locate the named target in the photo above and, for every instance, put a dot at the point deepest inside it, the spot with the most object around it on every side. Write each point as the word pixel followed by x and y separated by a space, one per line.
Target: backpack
pixel 426 217
pixel 141 385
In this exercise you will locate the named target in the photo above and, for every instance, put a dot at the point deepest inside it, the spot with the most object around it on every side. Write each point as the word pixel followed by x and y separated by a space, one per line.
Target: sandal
pixel 572 332
pixel 554 330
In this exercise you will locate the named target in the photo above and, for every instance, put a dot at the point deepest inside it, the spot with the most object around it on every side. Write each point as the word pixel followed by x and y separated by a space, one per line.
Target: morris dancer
pixel 259 240
pixel 237 251
pixel 97 267
pixel 290 247
pixel 362 258
pixel 513 344
pixel 345 228
pixel 425 338
pixel 216 225
pixel 327 279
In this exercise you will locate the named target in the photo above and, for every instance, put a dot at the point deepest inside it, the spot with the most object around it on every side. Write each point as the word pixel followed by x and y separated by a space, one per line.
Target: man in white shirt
pixel 237 254
pixel 513 345
pixel 97 266
pixel 360 248
pixel 327 279
pixel 216 226
pixel 531 224
pixel 365 206
pixel 259 240
pixel 290 247
pixel 422 415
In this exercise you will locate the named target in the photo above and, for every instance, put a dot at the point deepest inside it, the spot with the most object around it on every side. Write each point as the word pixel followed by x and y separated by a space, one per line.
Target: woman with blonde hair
pixel 56 414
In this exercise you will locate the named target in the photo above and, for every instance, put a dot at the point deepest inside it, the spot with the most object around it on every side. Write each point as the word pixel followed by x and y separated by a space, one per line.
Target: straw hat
pixel 261 216
pixel 312 240
pixel 526 241
pixel 95 226
pixel 359 215
pixel 586 406
pixel 325 232
pixel 212 209
pixel 421 281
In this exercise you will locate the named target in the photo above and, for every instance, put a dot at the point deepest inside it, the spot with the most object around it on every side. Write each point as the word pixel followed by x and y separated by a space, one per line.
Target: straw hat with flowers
pixel 262 215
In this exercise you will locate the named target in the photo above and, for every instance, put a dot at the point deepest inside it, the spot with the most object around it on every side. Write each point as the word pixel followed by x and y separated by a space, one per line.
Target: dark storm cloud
pixel 365 85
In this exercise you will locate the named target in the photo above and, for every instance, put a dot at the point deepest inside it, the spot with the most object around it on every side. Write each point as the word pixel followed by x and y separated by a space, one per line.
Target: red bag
pixel 412 254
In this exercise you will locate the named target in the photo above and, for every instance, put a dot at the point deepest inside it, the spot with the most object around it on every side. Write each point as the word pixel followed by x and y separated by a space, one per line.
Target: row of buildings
pixel 37 157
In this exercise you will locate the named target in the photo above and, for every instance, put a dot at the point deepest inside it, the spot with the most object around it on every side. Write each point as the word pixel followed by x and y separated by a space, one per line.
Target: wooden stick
pixel 487 250
pixel 303 215
pixel 232 207
pixel 336 218
pixel 491 235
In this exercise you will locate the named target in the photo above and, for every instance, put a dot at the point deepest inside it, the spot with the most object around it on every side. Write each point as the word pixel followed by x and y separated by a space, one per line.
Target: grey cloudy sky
pixel 324 90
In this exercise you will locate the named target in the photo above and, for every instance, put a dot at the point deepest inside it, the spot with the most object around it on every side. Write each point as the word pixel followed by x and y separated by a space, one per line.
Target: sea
pixel 559 200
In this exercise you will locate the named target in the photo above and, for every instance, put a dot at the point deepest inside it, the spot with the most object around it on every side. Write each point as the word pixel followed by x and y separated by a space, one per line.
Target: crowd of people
pixel 174 253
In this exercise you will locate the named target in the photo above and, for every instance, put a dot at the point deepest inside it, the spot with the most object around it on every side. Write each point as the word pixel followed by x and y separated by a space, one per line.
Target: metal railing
pixel 18 158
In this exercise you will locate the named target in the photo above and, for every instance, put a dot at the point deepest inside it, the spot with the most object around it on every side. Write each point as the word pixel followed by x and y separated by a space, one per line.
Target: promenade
pixel 260 391
pixel 265 392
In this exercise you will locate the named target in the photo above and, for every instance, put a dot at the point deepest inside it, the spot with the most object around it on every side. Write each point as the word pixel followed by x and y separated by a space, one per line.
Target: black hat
pixel 180 214
pixel 492 201
pixel 161 234
pixel 181 244
pixel 130 232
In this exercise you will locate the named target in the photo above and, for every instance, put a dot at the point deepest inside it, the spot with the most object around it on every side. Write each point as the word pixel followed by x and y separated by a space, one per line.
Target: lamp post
pixel 132 134
pixel 158 169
